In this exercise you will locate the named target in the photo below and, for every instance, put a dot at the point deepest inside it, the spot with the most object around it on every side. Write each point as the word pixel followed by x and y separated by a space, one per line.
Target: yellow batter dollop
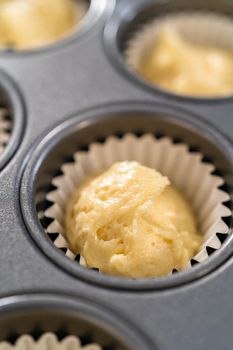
pixel 188 69
pixel 131 222
pixel 33 23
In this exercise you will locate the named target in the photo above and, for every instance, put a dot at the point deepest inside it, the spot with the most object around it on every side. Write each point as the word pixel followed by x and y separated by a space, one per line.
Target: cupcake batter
pixel 131 222
pixel 188 69
pixel 33 23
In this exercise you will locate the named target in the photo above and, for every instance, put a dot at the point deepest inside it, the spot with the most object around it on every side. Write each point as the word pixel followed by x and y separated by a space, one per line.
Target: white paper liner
pixel 48 341
pixel 199 28
pixel 5 126
pixel 82 9
pixel 185 170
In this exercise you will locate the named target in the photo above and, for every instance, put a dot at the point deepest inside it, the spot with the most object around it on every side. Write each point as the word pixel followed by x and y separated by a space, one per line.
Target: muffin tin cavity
pixel 5 127
pixel 96 329
pixel 96 126
pixel 129 42
pixel 11 119
pixel 87 13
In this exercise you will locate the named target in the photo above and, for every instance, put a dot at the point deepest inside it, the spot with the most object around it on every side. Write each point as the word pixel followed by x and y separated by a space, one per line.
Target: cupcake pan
pixel 11 119
pixel 60 100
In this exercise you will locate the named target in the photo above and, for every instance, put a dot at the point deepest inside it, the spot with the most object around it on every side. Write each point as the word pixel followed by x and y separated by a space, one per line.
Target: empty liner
pixel 185 169
pixel 200 28
pixel 48 341
pixel 5 128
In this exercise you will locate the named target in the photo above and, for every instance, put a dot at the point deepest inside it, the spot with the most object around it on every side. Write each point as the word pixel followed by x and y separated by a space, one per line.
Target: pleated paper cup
pixel 200 28
pixel 5 127
pixel 81 10
pixel 48 341
pixel 185 169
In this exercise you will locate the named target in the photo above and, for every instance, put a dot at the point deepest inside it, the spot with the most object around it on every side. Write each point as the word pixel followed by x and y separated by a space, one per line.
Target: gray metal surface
pixel 55 84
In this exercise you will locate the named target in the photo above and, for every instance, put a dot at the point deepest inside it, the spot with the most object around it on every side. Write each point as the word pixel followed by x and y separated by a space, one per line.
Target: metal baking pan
pixel 69 95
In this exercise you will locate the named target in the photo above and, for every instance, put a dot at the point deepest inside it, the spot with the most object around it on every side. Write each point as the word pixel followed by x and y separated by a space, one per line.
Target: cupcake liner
pixel 82 9
pixel 201 28
pixel 185 170
pixel 48 341
pixel 5 126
